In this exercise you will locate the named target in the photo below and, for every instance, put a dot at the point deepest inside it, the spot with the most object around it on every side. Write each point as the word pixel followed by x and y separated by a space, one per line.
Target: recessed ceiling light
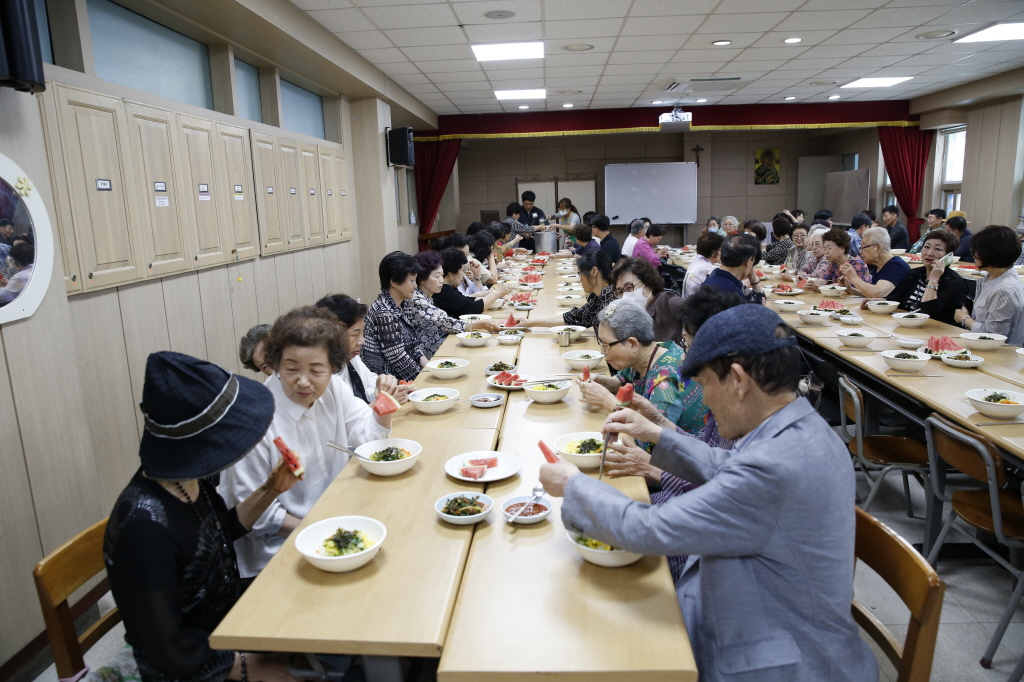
pixel 569 92
pixel 657 101
pixel 523 106
pixel 500 51
pixel 521 94
pixel 937 35
pixel 792 40
pixel 722 42
pixel 701 100
pixel 823 83
pixel 834 96
pixel 876 82
pixel 567 105
pixel 789 98
pixel 500 14
pixel 577 47
pixel 1013 31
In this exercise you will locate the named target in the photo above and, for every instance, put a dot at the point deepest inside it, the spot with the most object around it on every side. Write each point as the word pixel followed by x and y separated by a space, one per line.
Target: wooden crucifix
pixel 697 150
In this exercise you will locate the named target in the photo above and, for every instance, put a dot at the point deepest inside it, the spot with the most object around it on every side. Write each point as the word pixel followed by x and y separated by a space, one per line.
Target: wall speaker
pixel 400 149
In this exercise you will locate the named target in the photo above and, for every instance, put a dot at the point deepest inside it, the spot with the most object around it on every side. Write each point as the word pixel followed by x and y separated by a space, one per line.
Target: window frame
pixel 950 193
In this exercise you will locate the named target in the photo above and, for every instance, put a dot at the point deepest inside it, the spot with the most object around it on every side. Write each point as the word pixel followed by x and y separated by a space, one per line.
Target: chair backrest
pixel 964 450
pixel 851 403
pixel 57 577
pixel 916 583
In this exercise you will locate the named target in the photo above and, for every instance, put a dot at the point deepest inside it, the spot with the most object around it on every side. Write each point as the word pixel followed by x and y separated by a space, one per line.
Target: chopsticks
pixel 915 376
pixel 1009 421
pixel 537 382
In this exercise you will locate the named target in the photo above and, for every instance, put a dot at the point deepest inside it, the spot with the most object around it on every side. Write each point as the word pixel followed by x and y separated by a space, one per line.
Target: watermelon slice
pixel 586 372
pixel 291 458
pixel 474 472
pixel 942 344
pixel 759 273
pixel 784 287
pixel 548 455
pixel 385 404
pixel 500 376
pixel 488 462
pixel 624 397
pixel 830 304
pixel 511 321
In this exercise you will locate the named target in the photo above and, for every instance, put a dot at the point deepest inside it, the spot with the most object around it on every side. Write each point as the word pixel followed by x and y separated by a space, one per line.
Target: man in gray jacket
pixel 772 521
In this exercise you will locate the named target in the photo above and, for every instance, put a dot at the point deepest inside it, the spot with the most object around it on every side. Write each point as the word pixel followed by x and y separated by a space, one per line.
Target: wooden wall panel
pixel 268 302
pixel 287 293
pixel 318 273
pixel 303 280
pixel 234 171
pixel 205 208
pixel 268 193
pixel 215 294
pixel 145 331
pixel 60 208
pixel 185 330
pixel 332 272
pixel 244 311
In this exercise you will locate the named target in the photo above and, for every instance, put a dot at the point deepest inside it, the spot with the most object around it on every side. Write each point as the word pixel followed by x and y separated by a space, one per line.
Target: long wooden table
pixel 493 601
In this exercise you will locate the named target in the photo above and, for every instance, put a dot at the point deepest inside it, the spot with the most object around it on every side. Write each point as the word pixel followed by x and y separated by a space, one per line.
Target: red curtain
pixel 434 164
pixel 905 152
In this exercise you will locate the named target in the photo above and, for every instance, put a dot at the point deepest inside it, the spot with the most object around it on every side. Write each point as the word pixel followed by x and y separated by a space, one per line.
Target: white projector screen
pixel 663 192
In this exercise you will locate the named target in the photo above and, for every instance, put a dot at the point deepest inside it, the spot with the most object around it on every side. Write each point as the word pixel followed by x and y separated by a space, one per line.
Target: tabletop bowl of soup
pixel 341 543
pixel 522 306
pixel 475 317
pixel 464 508
pixel 448 368
pixel 571 278
pixel 982 341
pixel 569 300
pixel 601 553
pixel 996 402
pixel 883 307
pixel 576 359
pixel 575 331
pixel 548 392
pixel 534 513
pixel 388 456
pixel 521 257
pixel 510 337
pixel 582 448
pixel 433 400
pixel 784 305
pixel 856 338
pixel 832 290
pixel 910 319
pixel 473 339
pixel 814 316
pixel 905 360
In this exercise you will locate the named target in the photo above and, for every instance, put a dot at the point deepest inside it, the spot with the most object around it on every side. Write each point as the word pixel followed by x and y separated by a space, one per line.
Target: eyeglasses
pixel 627 287
pixel 606 346
pixel 868 246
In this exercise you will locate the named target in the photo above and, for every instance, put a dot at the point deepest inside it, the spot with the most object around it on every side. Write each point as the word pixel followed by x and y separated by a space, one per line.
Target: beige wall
pixel 994 163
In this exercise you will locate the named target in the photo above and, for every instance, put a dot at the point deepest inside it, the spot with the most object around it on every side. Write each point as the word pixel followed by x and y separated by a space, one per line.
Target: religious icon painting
pixel 766 166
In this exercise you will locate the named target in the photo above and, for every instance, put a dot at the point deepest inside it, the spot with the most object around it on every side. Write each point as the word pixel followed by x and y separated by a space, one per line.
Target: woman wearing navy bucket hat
pixel 169 542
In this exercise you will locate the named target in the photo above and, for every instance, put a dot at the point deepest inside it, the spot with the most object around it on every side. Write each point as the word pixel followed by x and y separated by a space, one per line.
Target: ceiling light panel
pixel 1010 31
pixel 503 51
pixel 877 82
pixel 521 94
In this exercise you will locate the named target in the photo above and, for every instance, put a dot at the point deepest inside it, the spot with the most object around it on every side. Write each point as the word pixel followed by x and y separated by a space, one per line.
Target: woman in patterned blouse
pixel 595 268
pixel 782 229
pixel 392 346
pixel 431 323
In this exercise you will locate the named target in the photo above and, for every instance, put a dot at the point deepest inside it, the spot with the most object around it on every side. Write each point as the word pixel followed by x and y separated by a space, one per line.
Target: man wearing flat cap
pixel 770 529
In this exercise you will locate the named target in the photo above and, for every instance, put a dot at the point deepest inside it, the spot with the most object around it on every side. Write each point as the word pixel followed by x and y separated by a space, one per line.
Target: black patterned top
pixel 173 575
pixel 586 314
pixel 392 345
pixel 431 323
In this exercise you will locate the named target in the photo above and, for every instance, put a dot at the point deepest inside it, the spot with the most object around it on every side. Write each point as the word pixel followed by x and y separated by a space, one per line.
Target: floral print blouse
pixel 431 323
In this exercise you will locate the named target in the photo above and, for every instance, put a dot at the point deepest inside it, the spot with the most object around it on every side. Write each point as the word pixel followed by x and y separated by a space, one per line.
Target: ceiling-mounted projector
pixel 676 122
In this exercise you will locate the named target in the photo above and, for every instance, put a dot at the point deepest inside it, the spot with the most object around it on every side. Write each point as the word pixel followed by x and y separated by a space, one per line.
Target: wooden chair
pixel 57 577
pixel 878 455
pixel 992 508
pixel 916 583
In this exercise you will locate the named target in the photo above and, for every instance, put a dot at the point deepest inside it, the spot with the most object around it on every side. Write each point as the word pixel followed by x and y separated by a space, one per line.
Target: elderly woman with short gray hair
pixel 626 337
pixel 250 349
pixel 889 270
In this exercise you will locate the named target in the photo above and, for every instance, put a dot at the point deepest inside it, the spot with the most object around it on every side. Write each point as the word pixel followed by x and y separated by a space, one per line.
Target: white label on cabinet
pixel 342 192
pixel 160 187
pixel 330 192
pixel 103 186
pixel 162 201
pixel 312 191
pixel 239 197
pixel 203 187
pixel 270 190
pixel 238 189
pixel 204 197
pixel 291 190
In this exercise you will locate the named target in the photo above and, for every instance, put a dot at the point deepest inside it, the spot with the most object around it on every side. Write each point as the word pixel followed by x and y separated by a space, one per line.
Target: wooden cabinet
pixel 268 193
pixel 158 191
pixel 290 176
pixel 98 165
pixel 234 175
pixel 330 196
pixel 346 203
pixel 311 191
pixel 62 222
pixel 202 195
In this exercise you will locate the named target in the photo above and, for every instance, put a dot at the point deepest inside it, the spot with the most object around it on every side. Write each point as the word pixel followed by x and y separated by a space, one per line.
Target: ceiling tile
pixel 414 37
pixel 505 65
pixel 505 33
pixel 657 8
pixel 322 4
pixel 619 87
pixel 808 38
pixel 464 86
pixel 446 66
pixel 648 43
pixel 434 52
pixel 659 26
pixel 835 51
pixel 755 6
pixel 627 80
pixel 422 89
pixel 406 79
pixel 627 69
pixel 379 3
pixel 411 16
pixel 364 40
pixel 457 76
pixel 596 28
pixel 571 71
pixel 923 3
pixel 652 57
pixel 800 73
pixel 810 64
pixel 516 74
pixel 856 37
pixel 585 83
pixel 863 62
pixel 578 59
pixel 725 24
pixel 836 19
pixel 751 67
pixel 554 46
pixel 982 12
pixel 384 55
pixel 342 20
pixel 752 53
pixel 926 59
pixel 516 83
pixel 901 70
pixel 688 56
pixel 473 12
pixel 583 10
pixel 900 16
pixel 693 69
pixel 840 74
pixel 915 47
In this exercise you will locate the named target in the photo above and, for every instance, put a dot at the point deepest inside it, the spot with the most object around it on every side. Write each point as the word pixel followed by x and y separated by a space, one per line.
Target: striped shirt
pixel 999 307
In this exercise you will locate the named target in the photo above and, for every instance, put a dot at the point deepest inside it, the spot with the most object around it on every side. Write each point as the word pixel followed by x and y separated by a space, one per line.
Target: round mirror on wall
pixel 26 244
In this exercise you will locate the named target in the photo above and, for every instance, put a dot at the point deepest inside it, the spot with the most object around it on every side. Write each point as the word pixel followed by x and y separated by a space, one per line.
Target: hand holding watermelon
pixel 290 458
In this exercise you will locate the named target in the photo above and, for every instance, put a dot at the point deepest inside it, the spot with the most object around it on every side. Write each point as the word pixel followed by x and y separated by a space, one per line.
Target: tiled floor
pixel 976 594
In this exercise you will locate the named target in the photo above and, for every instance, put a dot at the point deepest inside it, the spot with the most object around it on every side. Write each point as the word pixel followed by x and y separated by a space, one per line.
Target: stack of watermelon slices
pixel 477 468
pixel 942 345
pixel 504 378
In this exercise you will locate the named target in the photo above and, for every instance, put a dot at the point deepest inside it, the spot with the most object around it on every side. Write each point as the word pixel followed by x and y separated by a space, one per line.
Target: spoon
pixel 350 451
pixel 538 493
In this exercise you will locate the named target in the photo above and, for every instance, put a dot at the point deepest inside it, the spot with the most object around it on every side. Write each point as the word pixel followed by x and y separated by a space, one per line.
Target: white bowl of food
pixel 341 543
pixel 571 278
pixel 499 367
pixel 582 448
pixel 792 291
pixel 496 305
pixel 990 402
pixel 473 339
pixel 536 285
pixel 576 359
pixel 856 339
pixel 487 400
pixel 434 400
pixel 910 319
pixel 905 360
pixel 523 306
pixel 388 456
pixel 979 341
pixel 521 257
pixel 448 368
pixel 600 553
pixel 509 337
pixel 535 513
pixel 850 319
pixel 814 316
pixel 525 287
pixel 475 317
pixel 787 306
pixel 464 508
pixel 832 290
pixel 569 300
pixel 569 287
pixel 549 392
pixel 818 281
pixel 963 360
pixel 575 331
pixel 883 307
pixel 565 268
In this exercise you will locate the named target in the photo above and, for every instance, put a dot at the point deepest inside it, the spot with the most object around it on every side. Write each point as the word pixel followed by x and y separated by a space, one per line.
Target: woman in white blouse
pixel 999 299
pixel 307 348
